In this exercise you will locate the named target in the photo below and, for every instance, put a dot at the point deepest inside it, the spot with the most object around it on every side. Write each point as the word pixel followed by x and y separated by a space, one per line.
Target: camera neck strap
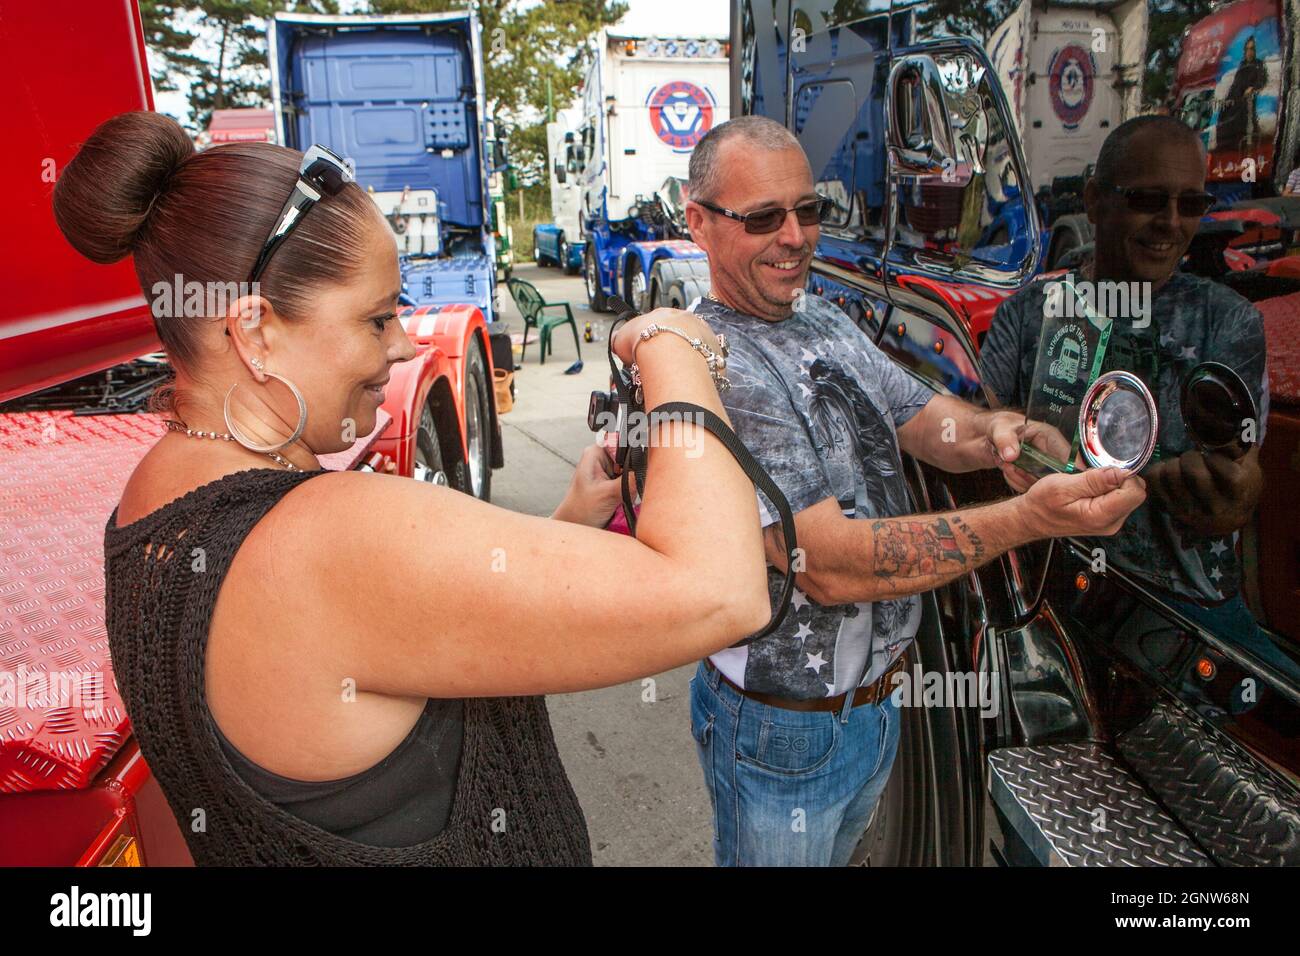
pixel 634 455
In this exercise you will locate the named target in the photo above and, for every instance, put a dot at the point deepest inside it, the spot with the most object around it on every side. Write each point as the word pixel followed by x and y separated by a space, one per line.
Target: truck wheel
pixel 675 296
pixel 652 297
pixel 932 812
pixel 474 477
pixel 428 453
pixel 684 291
pixel 634 285
pixel 563 255
pixel 1069 233
pixel 595 294
pixel 900 831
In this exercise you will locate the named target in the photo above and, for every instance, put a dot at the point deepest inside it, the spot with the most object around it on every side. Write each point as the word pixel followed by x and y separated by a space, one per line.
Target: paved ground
pixel 628 749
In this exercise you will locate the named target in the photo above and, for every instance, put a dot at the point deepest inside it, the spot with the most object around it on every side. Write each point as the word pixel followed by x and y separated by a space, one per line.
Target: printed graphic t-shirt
pixel 817 404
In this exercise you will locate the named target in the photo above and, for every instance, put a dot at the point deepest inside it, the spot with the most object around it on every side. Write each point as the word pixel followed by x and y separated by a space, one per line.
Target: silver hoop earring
pixel 268 449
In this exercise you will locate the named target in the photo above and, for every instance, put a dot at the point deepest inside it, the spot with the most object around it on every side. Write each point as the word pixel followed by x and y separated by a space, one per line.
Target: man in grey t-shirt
pixel 1183 541
pixel 796 733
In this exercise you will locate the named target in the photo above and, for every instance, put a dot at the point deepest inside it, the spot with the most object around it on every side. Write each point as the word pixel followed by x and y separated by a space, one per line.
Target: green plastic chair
pixel 532 306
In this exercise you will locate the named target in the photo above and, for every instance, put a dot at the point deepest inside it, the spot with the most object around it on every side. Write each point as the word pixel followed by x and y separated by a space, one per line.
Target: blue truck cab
pixel 401 99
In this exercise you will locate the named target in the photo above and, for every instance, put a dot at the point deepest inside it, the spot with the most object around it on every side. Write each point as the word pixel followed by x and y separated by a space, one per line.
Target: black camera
pixel 609 411
pixel 605 413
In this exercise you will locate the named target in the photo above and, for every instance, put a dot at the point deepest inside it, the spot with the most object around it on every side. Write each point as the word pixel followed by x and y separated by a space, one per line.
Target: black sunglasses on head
pixel 770 220
pixel 1150 201
pixel 322 173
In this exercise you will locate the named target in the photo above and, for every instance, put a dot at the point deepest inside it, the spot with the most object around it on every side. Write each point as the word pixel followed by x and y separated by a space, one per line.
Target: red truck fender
pixel 974 304
pixel 443 337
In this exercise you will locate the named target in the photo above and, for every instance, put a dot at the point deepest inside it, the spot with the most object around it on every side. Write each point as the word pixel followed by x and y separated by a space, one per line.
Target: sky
pixel 649 17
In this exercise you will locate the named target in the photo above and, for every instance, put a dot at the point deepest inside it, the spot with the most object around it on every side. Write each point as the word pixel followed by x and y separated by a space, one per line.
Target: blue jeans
pixel 788 787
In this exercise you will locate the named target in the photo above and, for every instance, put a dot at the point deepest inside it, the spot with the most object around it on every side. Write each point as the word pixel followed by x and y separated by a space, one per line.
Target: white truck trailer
pixel 1071 73
pixel 646 102
pixel 559 242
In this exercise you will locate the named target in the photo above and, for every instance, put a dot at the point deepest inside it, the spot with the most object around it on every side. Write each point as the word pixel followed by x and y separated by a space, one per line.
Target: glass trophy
pixel 1071 349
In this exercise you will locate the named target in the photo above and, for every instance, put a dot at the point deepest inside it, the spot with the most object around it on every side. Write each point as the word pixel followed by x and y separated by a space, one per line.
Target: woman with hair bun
pixel 351 674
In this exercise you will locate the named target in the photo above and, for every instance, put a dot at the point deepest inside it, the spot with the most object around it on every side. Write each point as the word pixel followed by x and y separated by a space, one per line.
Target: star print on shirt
pixel 807 392
pixel 1218 548
pixel 1189 352
pixel 803 633
pixel 815 662
pixel 799 600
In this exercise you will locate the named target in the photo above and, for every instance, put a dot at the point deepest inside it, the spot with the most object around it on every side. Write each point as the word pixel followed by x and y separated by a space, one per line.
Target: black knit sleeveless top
pixel 513 803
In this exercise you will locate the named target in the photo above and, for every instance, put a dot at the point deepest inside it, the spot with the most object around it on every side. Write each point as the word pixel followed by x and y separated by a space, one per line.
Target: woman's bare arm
pixel 416 590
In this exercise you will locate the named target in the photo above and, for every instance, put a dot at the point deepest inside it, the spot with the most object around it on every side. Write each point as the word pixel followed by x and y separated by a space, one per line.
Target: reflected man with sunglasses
pixel 1145 202
pixel 797 732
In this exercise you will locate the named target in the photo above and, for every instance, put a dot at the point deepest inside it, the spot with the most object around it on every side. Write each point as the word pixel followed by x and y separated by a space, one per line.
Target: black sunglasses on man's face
pixel 1150 201
pixel 770 220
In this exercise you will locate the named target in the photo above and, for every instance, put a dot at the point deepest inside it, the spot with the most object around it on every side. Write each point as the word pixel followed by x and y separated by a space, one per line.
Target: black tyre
pixel 564 256
pixel 474 477
pixel 634 287
pixel 1065 243
pixel 676 297
pixel 595 294
pixel 901 829
pixel 1069 234
pixel 428 451
pixel 931 813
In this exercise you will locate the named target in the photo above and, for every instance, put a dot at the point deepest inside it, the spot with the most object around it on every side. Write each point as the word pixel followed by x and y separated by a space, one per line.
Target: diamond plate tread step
pixel 61 475
pixel 1236 809
pixel 1052 794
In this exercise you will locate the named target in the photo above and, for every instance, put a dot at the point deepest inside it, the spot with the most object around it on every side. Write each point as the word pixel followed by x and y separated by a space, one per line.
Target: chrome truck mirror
pixel 921 141
pixel 1217 407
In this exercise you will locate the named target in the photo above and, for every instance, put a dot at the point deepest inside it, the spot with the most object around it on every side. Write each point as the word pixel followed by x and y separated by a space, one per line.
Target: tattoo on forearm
pixel 910 549
pixel 972 537
pixel 923 547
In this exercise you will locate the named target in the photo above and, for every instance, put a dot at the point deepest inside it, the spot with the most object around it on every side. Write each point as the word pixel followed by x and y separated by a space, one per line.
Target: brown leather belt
pixel 873 693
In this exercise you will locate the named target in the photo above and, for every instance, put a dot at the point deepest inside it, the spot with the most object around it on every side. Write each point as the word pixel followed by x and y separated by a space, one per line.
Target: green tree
pixel 963 18
pixel 216 48
pixel 169 44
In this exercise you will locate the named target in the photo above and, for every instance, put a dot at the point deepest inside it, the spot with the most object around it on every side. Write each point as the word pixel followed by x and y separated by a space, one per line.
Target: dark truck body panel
pixel 1128 732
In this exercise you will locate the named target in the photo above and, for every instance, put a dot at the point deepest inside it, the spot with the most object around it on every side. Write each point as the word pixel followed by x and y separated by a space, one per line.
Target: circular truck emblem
pixel 1070 79
pixel 680 113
